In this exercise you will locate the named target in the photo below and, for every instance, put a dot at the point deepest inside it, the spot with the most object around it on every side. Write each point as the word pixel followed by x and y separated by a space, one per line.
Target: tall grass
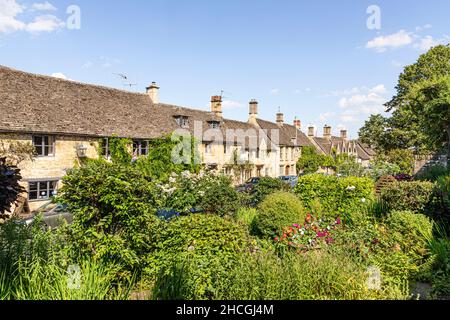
pixel 315 276
pixel 34 266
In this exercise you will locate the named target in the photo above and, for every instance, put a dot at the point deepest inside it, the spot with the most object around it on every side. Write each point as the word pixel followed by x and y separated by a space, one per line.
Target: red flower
pixel 338 221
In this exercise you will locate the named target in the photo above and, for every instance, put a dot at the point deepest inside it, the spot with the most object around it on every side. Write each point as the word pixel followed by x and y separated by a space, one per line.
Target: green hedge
pixel 335 195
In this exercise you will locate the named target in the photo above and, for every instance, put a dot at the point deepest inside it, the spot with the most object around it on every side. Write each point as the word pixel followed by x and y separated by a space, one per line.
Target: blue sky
pixel 316 60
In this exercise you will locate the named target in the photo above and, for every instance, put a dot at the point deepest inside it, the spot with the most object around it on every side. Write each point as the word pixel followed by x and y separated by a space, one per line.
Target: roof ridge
pixel 38 75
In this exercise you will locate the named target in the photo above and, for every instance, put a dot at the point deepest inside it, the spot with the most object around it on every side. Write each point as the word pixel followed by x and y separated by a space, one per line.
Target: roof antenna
pixel 125 80
pixel 222 94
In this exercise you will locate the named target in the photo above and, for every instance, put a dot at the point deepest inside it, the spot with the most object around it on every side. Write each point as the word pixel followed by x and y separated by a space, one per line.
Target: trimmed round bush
pixel 277 211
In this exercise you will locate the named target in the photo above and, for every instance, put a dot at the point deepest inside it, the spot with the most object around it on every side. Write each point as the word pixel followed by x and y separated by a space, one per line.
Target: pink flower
pixel 338 221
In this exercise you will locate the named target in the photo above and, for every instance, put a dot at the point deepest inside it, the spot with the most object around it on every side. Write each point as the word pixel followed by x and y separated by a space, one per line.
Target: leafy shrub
pixel 111 204
pixel 415 196
pixel 198 235
pixel 9 186
pixel 402 248
pixel 413 232
pixel 336 195
pixel 277 211
pixel 380 168
pixel 247 216
pixel 265 187
pixel 347 166
pixel 218 196
pixel 432 173
pixel 210 193
pixel 442 200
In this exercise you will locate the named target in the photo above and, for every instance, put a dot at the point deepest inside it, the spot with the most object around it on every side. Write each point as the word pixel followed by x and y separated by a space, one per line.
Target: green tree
pixel 404 159
pixel 421 106
pixel 374 132
pixel 346 165
pixel 310 161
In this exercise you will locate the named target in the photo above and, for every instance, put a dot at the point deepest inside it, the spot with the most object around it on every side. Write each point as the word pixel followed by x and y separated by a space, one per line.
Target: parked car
pixel 291 180
pixel 53 214
pixel 249 185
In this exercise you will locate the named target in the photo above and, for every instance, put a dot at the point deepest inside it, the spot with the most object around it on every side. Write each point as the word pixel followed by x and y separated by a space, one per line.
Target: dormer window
pixel 182 121
pixel 214 124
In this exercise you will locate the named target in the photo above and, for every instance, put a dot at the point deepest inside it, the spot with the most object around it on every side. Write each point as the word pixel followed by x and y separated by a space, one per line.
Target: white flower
pixel 351 188
pixel 302 233
pixel 172 180
pixel 363 200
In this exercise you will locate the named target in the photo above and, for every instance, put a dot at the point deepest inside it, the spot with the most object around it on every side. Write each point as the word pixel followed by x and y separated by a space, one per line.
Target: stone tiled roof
pixel 42 104
pixel 365 152
pixel 324 144
pixel 288 134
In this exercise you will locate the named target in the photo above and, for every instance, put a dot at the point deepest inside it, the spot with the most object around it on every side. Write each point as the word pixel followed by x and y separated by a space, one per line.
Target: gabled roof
pixel 288 135
pixel 365 152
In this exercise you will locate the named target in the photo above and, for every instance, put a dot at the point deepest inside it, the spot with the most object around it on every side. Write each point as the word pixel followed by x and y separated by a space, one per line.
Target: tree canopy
pixel 420 109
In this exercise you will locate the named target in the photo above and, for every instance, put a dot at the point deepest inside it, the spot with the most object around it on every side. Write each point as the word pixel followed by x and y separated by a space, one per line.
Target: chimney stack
pixel 280 119
pixel 153 92
pixel 216 105
pixel 327 132
pixel 344 134
pixel 311 131
pixel 298 124
pixel 253 111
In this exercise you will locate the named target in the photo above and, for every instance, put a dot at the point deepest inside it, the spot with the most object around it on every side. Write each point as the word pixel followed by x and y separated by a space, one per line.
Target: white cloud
pixel 427 42
pixel 275 91
pixel 9 10
pixel 230 104
pixel 424 27
pixel 59 75
pixel 45 23
pixel 10 22
pixel 404 38
pixel 380 89
pixel 46 6
pixel 392 41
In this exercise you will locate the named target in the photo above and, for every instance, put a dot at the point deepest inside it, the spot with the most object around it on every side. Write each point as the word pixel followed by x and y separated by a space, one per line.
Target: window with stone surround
pixel 44 145
pixel 42 190
pixel 140 147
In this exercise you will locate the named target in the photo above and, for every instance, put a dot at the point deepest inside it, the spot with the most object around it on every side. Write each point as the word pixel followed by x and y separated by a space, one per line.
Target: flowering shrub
pixel 191 192
pixel 313 234
pixel 403 177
